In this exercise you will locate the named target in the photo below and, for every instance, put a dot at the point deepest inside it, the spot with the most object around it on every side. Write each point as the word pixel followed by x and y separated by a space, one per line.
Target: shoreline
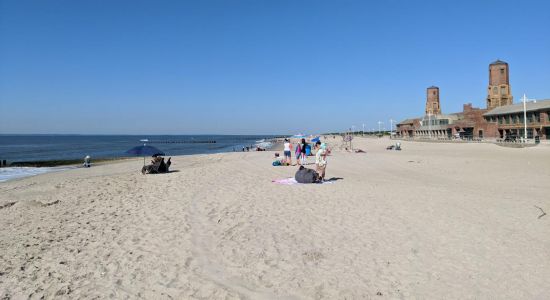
pixel 38 163
pixel 62 162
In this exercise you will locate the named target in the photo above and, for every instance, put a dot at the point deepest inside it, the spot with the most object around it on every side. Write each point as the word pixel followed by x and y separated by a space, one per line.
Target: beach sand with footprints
pixel 435 220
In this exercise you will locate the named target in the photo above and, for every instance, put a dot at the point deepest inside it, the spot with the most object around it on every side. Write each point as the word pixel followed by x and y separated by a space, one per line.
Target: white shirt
pixel 319 158
pixel 287 146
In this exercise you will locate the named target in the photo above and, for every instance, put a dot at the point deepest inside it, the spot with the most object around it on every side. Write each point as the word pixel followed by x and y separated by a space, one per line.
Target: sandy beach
pixel 433 221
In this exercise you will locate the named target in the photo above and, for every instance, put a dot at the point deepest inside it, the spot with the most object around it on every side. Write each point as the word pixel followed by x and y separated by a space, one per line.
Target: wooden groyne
pixel 182 142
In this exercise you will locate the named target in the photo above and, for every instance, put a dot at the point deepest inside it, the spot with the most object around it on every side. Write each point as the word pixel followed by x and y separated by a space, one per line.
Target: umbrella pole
pixel 144 160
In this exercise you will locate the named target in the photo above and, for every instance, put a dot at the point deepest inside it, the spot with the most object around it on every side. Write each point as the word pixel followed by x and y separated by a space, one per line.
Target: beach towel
pixel 292 181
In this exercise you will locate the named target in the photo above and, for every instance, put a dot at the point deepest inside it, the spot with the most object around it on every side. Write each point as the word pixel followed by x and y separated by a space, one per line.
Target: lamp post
pixel 379 127
pixel 524 100
pixel 391 126
pixel 430 125
pixel 363 131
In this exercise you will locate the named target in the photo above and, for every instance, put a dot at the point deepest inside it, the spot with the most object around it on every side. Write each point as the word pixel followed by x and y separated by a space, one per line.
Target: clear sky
pixel 257 67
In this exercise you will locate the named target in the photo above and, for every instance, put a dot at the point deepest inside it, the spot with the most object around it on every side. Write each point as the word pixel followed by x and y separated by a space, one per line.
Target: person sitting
pixel 305 175
pixel 157 166
pixel 156 159
pixel 277 161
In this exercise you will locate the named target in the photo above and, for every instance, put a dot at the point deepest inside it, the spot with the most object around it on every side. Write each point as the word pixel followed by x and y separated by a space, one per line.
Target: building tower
pixel 432 101
pixel 499 92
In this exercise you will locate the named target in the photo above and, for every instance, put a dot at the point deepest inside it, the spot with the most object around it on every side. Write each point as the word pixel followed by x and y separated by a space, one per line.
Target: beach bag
pixel 304 175
pixel 276 163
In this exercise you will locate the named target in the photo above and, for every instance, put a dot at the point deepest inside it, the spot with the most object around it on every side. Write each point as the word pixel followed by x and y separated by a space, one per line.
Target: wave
pixel 10 173
pixel 263 144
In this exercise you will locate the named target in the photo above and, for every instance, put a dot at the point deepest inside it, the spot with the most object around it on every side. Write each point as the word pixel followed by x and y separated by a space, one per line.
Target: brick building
pixel 432 101
pixel 510 122
pixel 500 119
pixel 499 92
pixel 468 124
pixel 408 127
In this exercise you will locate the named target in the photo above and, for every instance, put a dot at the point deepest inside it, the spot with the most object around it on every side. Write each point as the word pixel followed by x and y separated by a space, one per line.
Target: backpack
pixel 304 175
pixel 276 163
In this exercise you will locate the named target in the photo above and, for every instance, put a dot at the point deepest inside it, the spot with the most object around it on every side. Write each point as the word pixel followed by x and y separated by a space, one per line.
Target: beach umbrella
pixel 315 140
pixel 144 150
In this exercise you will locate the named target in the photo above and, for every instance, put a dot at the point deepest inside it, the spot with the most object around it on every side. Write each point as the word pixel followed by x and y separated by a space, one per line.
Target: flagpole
pixel 524 100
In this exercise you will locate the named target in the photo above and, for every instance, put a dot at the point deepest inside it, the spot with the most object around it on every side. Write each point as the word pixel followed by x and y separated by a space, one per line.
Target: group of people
pixel 301 151
pixel 157 165
pixel 247 149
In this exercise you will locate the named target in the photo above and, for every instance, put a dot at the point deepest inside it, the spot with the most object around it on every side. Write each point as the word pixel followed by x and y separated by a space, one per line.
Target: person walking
pixel 298 153
pixel 287 150
pixel 303 153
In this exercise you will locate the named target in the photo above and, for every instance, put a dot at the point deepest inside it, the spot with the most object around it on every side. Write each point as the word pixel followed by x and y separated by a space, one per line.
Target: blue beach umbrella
pixel 316 139
pixel 144 151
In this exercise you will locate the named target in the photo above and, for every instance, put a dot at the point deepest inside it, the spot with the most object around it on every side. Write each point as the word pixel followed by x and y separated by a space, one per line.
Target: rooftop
pixel 518 108
pixel 499 62
pixel 407 121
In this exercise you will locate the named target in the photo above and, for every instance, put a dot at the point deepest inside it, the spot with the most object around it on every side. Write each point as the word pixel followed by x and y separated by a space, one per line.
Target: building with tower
pixel 499 92
pixel 432 101
pixel 501 119
pixel 468 124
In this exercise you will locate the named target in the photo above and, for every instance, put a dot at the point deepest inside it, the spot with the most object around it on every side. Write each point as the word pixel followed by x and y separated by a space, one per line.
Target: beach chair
pixel 157 168
pixel 165 167
pixel 153 168
pixel 168 164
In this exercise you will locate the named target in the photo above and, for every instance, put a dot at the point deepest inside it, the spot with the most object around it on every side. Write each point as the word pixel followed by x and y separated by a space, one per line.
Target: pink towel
pixel 286 181
pixel 292 181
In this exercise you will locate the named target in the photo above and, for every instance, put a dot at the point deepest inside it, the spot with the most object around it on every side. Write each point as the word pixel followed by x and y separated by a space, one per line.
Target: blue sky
pixel 256 67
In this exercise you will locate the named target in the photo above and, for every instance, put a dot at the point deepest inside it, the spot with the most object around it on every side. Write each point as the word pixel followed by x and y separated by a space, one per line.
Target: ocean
pixel 25 148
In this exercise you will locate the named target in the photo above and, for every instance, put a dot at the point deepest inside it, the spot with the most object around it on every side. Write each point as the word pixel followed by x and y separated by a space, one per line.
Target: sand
pixel 434 221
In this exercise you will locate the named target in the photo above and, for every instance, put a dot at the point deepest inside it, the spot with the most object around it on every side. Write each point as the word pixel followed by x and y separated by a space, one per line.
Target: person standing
pixel 303 153
pixel 287 150
pixel 321 159
pixel 298 153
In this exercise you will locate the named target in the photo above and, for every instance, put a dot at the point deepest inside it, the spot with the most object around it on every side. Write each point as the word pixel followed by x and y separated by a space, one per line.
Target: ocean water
pixel 21 148
pixel 20 172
